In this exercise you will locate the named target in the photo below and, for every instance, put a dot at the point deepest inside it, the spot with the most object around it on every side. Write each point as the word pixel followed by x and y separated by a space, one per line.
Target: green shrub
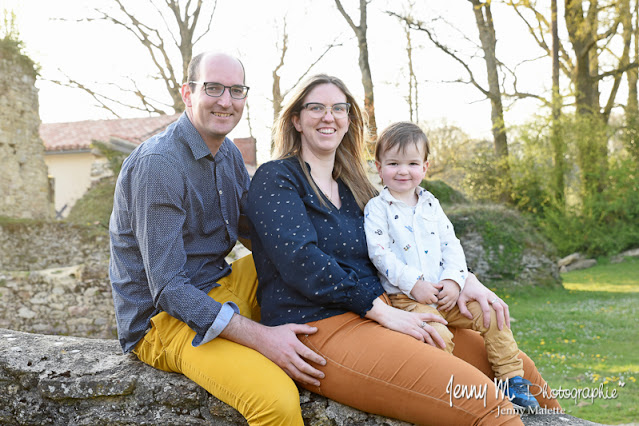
pixel 12 47
pixel 94 208
pixel 443 192
pixel 605 223
pixel 506 235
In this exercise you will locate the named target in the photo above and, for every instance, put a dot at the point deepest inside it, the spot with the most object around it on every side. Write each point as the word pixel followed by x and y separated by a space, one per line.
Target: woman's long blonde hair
pixel 350 155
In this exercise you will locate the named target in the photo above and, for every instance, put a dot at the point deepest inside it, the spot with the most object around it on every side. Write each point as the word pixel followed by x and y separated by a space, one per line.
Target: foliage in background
pixel 11 45
pixel 505 234
pixel 445 193
pixel 599 211
pixel 95 206
pixel 114 157
pixel 630 137
pixel 606 222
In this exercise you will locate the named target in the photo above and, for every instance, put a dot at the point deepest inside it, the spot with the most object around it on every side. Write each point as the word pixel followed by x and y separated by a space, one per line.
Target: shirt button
pixel 227 221
pixel 220 192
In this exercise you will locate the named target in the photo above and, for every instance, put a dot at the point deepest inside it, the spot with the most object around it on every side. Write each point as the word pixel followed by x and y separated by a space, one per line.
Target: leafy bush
pixel 95 206
pixel 506 236
pixel 604 223
pixel 443 192
pixel 12 47
pixel 591 206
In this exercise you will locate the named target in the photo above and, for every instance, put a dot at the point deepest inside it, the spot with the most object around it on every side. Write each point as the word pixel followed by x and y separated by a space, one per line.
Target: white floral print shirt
pixel 409 243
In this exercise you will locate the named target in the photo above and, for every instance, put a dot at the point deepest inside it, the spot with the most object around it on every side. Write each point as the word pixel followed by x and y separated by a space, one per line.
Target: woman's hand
pixel 474 290
pixel 412 323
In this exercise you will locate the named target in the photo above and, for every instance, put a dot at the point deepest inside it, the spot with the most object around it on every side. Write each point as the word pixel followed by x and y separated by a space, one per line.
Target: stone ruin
pixel 24 186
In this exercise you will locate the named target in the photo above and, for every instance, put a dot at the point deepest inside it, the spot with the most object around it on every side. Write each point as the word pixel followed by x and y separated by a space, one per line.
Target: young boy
pixel 420 261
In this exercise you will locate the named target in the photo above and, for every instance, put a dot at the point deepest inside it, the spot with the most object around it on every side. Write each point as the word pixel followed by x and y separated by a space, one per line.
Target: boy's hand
pixel 448 295
pixel 426 292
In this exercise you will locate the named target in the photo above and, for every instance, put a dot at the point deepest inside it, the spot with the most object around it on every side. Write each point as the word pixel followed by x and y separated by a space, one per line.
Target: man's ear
pixel 185 90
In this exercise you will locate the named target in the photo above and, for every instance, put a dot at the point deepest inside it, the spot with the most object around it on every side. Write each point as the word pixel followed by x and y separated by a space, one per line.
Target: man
pixel 176 214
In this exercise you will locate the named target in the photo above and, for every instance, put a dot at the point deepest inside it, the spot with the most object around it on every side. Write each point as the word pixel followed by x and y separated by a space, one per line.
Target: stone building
pixel 24 187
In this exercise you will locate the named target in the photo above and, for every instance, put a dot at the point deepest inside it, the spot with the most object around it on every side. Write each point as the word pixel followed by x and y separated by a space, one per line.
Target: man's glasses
pixel 317 110
pixel 216 90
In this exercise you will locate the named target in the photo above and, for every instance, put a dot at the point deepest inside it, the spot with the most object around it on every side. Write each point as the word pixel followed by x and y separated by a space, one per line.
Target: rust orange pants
pixel 384 372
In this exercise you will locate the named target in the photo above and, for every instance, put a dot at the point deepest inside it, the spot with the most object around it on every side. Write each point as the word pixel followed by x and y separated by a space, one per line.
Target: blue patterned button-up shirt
pixel 175 217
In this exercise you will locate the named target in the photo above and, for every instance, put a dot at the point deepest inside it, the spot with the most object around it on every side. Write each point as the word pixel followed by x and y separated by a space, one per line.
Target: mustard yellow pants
pixel 239 376
pixel 501 348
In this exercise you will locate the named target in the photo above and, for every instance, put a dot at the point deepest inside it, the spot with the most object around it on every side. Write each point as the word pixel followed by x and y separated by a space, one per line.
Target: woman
pixel 311 258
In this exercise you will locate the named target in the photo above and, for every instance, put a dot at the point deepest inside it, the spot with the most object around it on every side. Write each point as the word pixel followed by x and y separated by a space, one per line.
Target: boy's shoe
pixel 519 394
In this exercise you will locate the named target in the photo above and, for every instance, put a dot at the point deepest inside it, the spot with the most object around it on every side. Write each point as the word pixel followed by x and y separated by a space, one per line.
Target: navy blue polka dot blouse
pixel 311 260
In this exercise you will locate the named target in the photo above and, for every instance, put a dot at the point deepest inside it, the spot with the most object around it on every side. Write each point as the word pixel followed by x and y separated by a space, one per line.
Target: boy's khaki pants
pixel 503 353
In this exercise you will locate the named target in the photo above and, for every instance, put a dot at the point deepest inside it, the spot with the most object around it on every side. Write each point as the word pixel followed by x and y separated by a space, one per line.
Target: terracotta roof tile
pixel 79 135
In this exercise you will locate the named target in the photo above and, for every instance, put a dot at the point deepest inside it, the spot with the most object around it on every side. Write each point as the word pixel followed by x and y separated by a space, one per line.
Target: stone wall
pixel 52 380
pixel 35 245
pixel 54 279
pixel 24 185
pixel 54 282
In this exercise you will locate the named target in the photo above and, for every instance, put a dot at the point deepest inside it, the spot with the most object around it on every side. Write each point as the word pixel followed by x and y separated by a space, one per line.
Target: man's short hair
pixel 193 70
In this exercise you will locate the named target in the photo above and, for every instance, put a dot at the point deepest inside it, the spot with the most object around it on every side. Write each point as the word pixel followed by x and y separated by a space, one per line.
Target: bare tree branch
pixel 319 58
pixel 542 27
pixel 420 26
pixel 160 43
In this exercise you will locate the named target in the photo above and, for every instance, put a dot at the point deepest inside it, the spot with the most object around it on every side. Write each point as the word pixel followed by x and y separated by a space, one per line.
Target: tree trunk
pixel 367 79
pixel 592 152
pixel 413 100
pixel 581 31
pixel 485 25
pixel 632 107
pixel 556 139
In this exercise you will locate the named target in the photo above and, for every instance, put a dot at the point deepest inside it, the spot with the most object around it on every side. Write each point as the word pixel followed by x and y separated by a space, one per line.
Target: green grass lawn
pixel 584 336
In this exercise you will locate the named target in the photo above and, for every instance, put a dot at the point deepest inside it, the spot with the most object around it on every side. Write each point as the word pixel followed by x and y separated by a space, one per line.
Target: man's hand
pixel 448 295
pixel 279 344
pixel 425 292
pixel 474 290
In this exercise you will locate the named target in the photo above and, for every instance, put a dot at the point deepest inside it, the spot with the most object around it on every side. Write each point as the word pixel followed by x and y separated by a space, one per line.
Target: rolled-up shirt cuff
pixel 221 321
pixel 458 277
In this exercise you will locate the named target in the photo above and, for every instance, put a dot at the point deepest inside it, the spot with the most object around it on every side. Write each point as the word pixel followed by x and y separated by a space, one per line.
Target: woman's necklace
pixel 328 192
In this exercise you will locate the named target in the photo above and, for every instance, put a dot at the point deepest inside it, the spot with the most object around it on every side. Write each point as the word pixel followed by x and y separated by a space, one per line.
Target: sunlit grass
pixel 585 335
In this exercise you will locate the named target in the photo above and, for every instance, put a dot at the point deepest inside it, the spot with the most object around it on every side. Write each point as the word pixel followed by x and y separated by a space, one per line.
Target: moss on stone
pixel 12 50
pixel 506 236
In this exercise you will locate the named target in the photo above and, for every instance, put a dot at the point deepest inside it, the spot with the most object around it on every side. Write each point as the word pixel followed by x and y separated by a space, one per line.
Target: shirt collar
pixel 422 195
pixel 196 143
